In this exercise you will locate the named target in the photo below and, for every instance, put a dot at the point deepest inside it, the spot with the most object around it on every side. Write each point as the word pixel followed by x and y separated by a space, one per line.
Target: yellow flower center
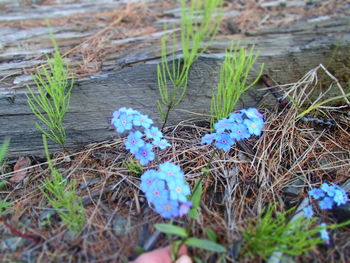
pixel 253 124
pixel 167 207
pixel 178 189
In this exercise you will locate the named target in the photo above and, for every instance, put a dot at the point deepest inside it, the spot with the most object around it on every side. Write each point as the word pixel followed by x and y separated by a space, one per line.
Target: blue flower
pixel 222 125
pixel 326 203
pixel 185 208
pixel 316 193
pixel 128 111
pixel 324 234
pixel 340 197
pixel 254 126
pixel 153 133
pixel 157 191
pixel 134 142
pixel 308 212
pixel 142 120
pixel 224 142
pixel 329 189
pixel 239 132
pixel 236 117
pixel 123 122
pixel 162 144
pixel 169 171
pixel 145 154
pixel 208 138
pixel 147 179
pixel 167 208
pixel 179 190
pixel 252 113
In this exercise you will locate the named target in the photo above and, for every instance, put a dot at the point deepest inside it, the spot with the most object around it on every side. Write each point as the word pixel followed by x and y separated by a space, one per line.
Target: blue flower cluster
pixel 238 126
pixel 167 190
pixel 329 196
pixel 139 143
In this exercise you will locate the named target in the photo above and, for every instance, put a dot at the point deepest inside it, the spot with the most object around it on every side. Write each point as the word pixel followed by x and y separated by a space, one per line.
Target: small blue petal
pixel 308 212
pixel 326 203
pixel 316 193
pixel 208 138
pixel 145 154
pixel 324 234
pixel 224 142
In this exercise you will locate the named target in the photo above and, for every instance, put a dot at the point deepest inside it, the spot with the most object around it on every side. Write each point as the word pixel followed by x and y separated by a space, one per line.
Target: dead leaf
pixel 20 169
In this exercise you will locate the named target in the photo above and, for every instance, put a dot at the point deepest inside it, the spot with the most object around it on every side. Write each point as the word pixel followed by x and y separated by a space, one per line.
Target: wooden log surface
pixel 129 79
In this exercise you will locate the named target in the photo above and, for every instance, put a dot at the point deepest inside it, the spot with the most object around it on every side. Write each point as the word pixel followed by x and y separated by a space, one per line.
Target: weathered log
pixel 288 53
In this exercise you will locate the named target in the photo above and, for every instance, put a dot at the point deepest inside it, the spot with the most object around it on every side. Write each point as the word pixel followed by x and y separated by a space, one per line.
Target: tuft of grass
pixel 199 23
pixel 3 150
pixel 275 233
pixel 63 197
pixel 233 81
pixel 52 101
pixel 133 166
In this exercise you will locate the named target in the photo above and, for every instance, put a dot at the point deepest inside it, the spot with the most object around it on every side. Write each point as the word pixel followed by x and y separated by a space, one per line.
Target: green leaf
pixel 140 250
pixel 4 205
pixel 205 170
pixel 197 260
pixel 205 244
pixel 197 194
pixel 193 213
pixel 3 149
pixel 196 199
pixel 171 229
pixel 210 234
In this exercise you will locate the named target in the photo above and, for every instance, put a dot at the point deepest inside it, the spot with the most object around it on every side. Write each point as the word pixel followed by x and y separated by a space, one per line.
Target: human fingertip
pixel 184 259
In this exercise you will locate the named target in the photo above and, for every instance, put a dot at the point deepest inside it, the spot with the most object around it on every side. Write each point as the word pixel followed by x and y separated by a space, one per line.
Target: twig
pixel 17 232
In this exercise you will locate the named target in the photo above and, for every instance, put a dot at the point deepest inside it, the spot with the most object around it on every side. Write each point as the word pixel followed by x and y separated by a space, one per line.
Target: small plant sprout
pixel 199 23
pixel 233 81
pixel 133 166
pixel 271 233
pixel 63 197
pixel 142 138
pixel 52 101
pixel 3 150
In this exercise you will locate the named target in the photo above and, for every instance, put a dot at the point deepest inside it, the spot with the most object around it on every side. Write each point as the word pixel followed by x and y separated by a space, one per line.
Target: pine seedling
pixel 199 24
pixel 51 101
pixel 275 233
pixel 3 150
pixel 233 81
pixel 133 166
pixel 63 197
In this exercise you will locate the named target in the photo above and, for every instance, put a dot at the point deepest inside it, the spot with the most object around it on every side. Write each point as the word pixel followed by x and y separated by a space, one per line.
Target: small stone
pixel 234 249
pixel 122 226
pixel 294 188
pixel 67 159
pixel 11 243
pixel 61 170
pixel 89 182
pixel 46 214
